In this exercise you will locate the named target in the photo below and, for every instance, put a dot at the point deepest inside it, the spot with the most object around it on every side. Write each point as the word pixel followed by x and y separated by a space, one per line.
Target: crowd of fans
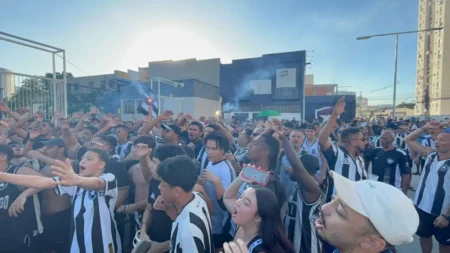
pixel 96 183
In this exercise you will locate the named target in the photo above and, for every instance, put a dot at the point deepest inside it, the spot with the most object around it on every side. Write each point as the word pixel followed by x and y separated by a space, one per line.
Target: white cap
pixel 390 210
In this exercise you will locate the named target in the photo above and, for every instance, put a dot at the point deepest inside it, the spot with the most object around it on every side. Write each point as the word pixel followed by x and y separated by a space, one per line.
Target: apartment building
pixel 433 57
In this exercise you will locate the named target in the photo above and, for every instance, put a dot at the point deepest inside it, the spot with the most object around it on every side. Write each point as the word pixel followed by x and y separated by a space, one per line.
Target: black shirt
pixel 389 166
pixel 37 143
pixel 197 147
pixel 161 224
pixel 376 129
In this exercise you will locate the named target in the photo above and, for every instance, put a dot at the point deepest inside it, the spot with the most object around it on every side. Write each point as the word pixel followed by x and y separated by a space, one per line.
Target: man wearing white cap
pixel 367 216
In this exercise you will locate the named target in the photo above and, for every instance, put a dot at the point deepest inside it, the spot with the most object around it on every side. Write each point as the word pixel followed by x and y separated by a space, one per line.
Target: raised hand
pixel 4 107
pixel 166 115
pixel 38 115
pixel 65 172
pixel 77 115
pixel 339 108
pixel 34 133
pixel 232 247
pixel 432 125
pixel 94 110
pixel 63 123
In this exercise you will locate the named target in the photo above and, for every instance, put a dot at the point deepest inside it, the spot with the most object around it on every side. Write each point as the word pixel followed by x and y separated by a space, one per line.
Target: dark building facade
pixel 270 82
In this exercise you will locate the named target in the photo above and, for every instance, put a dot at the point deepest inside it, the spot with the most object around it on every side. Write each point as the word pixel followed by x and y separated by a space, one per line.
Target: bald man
pixel 432 199
pixel 389 163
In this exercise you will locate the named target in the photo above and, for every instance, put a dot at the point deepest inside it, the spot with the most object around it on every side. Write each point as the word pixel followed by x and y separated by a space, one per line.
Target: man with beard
pixel 366 217
pixel 195 132
pixel 287 128
pixel 343 159
pixel 19 157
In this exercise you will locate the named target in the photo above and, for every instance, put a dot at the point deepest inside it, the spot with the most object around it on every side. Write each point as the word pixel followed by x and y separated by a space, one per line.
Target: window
pixel 128 106
pixel 261 87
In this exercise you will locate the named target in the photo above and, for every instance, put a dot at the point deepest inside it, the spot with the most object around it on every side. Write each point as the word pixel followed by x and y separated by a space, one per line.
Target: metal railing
pixel 36 93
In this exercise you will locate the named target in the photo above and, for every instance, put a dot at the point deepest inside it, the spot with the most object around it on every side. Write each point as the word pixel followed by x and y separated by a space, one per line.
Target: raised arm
pixel 411 139
pixel 328 128
pixel 307 184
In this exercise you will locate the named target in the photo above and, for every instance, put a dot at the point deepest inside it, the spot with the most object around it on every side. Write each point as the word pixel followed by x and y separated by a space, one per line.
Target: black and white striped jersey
pixel 340 161
pixel 433 191
pixel 202 159
pixel 93 228
pixel 299 223
pixel 191 231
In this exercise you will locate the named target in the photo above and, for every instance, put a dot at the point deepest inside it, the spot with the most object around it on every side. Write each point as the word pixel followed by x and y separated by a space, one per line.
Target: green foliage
pixel 406 105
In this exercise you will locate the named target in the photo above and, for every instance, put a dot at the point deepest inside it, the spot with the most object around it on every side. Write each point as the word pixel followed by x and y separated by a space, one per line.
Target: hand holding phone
pixel 255 175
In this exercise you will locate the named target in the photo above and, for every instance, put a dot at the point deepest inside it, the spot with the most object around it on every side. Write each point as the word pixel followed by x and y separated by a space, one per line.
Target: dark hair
pixel 8 151
pixel 271 229
pixel 92 129
pixel 149 140
pixel 188 151
pixel 274 149
pixel 288 124
pixel 50 124
pixel 180 171
pixel 165 151
pixel 346 133
pixel 197 123
pixel 213 126
pixel 123 127
pixel 111 141
pixel 103 155
pixel 220 139
pixel 248 134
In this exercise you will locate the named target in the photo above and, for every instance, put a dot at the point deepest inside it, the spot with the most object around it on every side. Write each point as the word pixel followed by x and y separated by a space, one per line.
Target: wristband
pixel 446 217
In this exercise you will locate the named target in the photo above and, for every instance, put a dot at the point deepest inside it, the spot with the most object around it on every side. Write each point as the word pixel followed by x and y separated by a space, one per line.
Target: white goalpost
pixel 48 94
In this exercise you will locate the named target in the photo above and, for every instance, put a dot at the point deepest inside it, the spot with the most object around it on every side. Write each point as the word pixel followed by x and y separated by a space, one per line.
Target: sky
pixel 102 36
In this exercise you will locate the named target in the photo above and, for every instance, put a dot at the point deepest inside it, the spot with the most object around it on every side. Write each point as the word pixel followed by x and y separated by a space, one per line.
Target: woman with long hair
pixel 257 216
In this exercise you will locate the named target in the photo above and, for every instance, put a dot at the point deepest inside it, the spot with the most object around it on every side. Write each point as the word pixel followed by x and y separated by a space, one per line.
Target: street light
pixel 396 54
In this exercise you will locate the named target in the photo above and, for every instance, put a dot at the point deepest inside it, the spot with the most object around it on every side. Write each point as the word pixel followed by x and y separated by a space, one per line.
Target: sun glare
pixel 169 43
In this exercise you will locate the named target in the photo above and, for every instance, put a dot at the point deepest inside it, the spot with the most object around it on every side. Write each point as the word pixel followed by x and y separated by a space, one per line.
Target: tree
pixel 35 93
pixel 406 105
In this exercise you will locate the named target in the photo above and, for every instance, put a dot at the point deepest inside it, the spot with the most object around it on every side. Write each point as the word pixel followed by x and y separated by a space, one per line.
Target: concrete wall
pixel 203 70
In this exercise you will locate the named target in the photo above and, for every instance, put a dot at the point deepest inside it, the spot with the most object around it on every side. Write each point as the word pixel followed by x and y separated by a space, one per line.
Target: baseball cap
pixel 310 162
pixel 390 210
pixel 58 142
pixel 171 127
pixel 447 130
pixel 391 126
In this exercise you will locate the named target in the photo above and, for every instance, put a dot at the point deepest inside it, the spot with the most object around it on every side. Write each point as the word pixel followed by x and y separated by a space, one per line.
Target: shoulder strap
pixel 254 245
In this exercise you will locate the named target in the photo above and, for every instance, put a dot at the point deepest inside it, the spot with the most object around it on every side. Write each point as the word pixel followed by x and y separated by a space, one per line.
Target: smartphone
pixel 256 175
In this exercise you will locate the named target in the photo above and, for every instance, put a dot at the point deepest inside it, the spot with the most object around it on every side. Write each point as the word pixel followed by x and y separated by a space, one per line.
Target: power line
pixel 73 65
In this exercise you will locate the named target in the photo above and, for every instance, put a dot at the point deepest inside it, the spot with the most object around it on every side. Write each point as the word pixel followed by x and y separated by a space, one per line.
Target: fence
pixel 36 93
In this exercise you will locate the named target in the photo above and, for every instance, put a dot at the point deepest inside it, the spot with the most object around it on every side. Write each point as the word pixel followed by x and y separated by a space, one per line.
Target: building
pixel 320 89
pixel 7 83
pixel 189 86
pixel 362 105
pixel 271 82
pixel 433 57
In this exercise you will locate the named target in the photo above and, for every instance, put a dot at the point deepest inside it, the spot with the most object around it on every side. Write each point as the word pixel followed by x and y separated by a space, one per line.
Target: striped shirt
pixel 341 162
pixel 299 223
pixel 191 230
pixel 433 191
pixel 93 228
